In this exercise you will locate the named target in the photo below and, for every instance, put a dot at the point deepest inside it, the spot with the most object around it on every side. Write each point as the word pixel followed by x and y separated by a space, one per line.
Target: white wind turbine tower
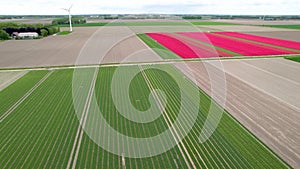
pixel 70 17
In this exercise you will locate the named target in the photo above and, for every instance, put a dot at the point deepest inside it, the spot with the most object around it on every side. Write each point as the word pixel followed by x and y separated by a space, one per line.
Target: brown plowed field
pixel 88 45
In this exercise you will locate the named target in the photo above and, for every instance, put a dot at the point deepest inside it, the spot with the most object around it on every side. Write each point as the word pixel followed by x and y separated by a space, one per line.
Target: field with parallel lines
pixel 40 128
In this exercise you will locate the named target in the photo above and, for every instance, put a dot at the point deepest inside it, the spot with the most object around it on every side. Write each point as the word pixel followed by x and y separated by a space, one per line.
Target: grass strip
pixel 212 23
pixel 64 33
pixel 162 51
pixel 293 58
pixel 208 45
pixel 283 26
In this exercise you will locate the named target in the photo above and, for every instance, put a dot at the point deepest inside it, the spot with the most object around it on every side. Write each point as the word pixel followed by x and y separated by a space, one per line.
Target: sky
pixel 230 7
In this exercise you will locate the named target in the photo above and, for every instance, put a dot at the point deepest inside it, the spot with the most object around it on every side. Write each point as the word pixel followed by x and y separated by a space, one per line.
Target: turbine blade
pixel 70 7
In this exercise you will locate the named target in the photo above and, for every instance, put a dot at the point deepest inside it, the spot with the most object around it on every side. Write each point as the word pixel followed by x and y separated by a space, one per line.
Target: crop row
pixel 223 44
pixel 42 131
pixel 267 40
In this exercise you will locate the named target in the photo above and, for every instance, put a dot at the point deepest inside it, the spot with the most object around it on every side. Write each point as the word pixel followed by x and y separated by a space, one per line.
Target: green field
pixel 293 58
pixel 86 24
pixel 211 23
pixel 284 26
pixel 64 33
pixel 42 130
pixel 162 51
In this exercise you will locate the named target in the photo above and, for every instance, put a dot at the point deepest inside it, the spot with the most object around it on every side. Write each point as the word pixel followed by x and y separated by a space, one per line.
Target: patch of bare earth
pixel 115 44
pixel 7 78
pixel 263 96
pixel 287 35
pixel 49 51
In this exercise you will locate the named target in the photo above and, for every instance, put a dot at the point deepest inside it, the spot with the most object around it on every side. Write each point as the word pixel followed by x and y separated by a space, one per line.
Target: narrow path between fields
pixel 13 107
pixel 7 78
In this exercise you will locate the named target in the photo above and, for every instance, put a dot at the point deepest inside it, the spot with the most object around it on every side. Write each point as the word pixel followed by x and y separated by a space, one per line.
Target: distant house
pixel 31 35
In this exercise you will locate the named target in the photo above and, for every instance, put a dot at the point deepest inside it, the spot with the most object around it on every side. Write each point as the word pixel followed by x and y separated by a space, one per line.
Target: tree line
pixel 8 28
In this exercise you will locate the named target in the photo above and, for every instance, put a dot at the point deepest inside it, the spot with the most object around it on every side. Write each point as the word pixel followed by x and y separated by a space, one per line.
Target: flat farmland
pixel 50 51
pixel 242 28
pixel 7 78
pixel 43 131
pixel 110 44
pixel 287 35
pixel 261 95
pixel 259 22
pixel 219 44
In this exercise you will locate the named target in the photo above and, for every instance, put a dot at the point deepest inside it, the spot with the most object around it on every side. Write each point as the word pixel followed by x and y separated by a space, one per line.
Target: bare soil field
pixel 260 95
pixel 93 45
pixel 259 22
pixel 28 21
pixel 287 35
pixel 114 45
pixel 7 78
pixel 177 28
pixel 50 51
pixel 243 28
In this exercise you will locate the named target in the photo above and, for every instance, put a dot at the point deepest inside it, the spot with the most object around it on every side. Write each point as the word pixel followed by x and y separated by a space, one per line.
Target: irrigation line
pixel 13 107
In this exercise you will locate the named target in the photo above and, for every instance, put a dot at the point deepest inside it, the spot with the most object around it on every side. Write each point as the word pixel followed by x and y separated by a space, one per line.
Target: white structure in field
pixel 28 35
pixel 70 17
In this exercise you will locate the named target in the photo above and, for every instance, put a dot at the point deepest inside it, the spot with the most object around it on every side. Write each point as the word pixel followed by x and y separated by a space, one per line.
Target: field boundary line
pixel 13 107
pixel 168 121
pixel 13 79
pixel 81 125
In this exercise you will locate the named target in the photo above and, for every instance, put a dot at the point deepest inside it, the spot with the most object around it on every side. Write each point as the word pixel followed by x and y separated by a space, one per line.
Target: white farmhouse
pixel 28 35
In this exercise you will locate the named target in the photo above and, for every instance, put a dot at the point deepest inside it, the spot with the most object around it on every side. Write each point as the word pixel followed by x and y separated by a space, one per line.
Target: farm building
pixel 28 35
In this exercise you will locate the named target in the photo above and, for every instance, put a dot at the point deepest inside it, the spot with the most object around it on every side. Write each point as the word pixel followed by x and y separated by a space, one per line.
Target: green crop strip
pixel 41 131
pixel 212 23
pixel 86 24
pixel 283 26
pixel 208 45
pixel 293 58
pixel 15 91
pixel 162 51
pixel 64 33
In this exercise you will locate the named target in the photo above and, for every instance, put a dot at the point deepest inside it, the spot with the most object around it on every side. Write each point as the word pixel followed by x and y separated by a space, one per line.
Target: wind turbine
pixel 70 17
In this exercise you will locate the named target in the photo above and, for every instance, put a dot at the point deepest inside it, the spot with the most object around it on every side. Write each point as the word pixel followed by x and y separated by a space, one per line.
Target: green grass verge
pixel 211 23
pixel 85 25
pixel 293 58
pixel 64 33
pixel 284 26
pixel 162 51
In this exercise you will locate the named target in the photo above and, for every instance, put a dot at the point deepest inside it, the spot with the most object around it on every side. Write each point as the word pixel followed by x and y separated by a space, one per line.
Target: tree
pixel 44 32
pixel 4 35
